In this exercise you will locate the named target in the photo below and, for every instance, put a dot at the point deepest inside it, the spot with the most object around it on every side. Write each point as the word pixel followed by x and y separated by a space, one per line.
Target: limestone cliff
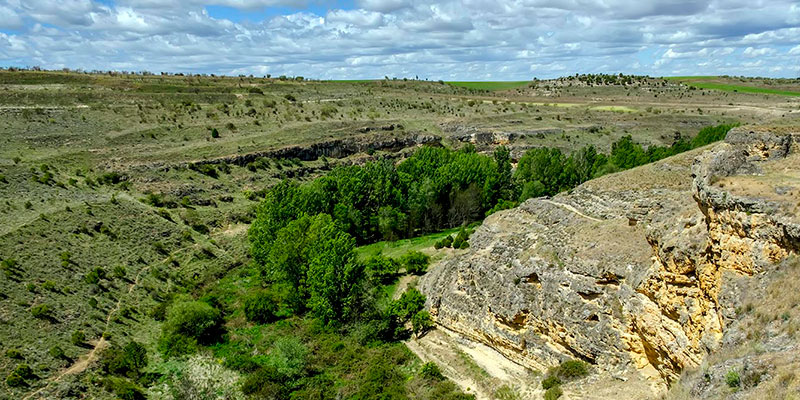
pixel 632 272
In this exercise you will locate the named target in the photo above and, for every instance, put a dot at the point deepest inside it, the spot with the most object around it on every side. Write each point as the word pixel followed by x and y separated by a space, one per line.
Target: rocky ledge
pixel 637 273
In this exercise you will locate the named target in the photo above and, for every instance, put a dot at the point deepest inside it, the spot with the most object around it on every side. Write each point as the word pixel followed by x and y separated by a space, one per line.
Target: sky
pixel 369 39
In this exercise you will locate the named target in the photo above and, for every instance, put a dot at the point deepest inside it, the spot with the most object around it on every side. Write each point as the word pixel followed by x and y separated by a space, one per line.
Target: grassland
pixel 154 179
pixel 728 84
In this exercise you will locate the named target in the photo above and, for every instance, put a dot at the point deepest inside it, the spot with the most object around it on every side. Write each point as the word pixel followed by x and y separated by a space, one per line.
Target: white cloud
pixel 447 39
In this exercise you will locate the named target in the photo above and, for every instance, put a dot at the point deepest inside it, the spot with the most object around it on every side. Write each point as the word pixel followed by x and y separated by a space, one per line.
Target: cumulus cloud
pixel 441 39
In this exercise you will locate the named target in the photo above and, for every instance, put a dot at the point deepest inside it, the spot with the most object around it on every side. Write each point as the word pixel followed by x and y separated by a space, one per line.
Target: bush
pixel 447 241
pixel 460 242
pixel 78 338
pixel 57 352
pixel 732 379
pixel 553 393
pixel 550 381
pixel 124 389
pixel 431 371
pixel 260 307
pixel 14 380
pixel 14 353
pixel 24 371
pixel 571 369
pixel 128 360
pixel 189 323
pixel 415 262
pixel 175 344
pixel 42 311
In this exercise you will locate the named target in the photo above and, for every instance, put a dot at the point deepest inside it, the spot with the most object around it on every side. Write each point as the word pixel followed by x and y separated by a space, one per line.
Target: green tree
pixel 188 323
pixel 415 262
pixel 421 322
pixel 334 276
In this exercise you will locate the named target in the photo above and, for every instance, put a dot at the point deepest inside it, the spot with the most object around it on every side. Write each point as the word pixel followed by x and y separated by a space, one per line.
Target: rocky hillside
pixel 641 274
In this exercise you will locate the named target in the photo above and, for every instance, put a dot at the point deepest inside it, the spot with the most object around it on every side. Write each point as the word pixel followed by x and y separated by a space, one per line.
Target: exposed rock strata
pixel 628 272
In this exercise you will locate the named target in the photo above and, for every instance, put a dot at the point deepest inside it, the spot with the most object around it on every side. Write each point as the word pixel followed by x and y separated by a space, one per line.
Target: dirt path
pixel 571 208
pixel 84 361
pixel 402 285
pixel 476 368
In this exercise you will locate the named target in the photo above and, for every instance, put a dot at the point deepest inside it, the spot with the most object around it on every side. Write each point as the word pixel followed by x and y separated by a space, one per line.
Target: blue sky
pixel 449 39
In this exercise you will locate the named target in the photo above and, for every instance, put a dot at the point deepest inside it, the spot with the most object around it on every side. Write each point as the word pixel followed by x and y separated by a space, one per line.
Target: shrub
pixel 78 338
pixel 123 388
pixel 14 380
pixel 732 379
pixel 460 241
pixel 128 360
pixel 431 371
pixel 553 393
pixel 572 369
pixel 49 285
pixel 264 383
pixel 119 271
pixel 24 371
pixel 42 311
pixel 14 353
pixel 447 241
pixel 260 307
pixel 415 262
pixel 188 323
pixel 57 352
pixel 550 381
pixel 175 344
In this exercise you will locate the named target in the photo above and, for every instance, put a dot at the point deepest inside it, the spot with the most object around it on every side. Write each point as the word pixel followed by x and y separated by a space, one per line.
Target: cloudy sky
pixel 450 39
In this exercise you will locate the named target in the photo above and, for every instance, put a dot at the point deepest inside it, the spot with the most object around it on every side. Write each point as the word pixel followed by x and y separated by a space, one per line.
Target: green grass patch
pixel 499 85
pixel 704 82
pixel 397 248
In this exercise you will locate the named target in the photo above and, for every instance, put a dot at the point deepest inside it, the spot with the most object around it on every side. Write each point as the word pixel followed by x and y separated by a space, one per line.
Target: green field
pixel 399 247
pixel 713 83
pixel 498 85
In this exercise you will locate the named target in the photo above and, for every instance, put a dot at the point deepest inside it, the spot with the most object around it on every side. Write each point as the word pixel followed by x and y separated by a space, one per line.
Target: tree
pixel 380 268
pixel 421 322
pixel 409 304
pixel 415 262
pixel 334 276
pixel 188 323
pixel 502 157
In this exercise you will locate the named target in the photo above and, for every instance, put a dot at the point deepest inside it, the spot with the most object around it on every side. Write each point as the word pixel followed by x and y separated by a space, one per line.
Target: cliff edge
pixel 638 273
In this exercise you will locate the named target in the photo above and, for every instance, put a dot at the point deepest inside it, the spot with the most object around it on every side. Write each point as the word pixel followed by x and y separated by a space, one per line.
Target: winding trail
pixel 84 361
pixel 571 208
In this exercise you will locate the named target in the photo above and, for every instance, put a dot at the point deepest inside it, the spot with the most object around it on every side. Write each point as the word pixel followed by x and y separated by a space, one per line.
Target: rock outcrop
pixel 632 272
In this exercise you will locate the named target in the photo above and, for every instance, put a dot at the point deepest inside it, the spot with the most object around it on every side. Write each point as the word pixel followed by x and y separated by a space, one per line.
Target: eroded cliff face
pixel 630 272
